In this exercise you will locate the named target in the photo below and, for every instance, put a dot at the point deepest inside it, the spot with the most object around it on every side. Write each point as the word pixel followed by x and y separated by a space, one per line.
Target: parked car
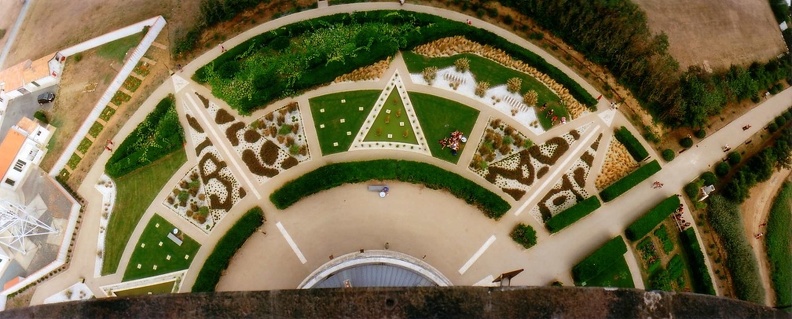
pixel 44 98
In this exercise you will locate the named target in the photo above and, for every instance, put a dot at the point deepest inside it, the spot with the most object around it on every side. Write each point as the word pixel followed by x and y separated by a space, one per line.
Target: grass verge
pixel 116 50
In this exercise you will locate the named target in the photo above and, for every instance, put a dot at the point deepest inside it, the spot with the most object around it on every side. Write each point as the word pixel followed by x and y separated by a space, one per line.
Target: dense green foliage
pixel 616 34
pixel 608 259
pixel 759 167
pixel 314 52
pixel 653 217
pixel 724 215
pixel 41 116
pixel 722 169
pixel 572 214
pixel 686 142
pixel 708 178
pixel 780 10
pixel 226 247
pixel 779 246
pixel 734 158
pixel 668 154
pixel 524 235
pixel 629 181
pixel 334 175
pixel 158 135
pixel 702 282
pixel 633 146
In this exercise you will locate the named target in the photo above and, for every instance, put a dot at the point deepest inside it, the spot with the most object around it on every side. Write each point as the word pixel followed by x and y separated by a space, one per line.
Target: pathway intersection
pixel 454 237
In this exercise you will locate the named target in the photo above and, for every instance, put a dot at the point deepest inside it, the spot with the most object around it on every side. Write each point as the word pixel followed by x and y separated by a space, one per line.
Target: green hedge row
pixel 573 214
pixel 779 246
pixel 629 181
pixel 600 260
pixel 334 175
pixel 158 135
pixel 226 247
pixel 702 282
pixel 654 216
pixel 634 147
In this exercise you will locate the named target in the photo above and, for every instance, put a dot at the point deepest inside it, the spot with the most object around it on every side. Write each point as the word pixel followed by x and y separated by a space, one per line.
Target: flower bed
pixel 366 73
pixel 120 97
pixel 107 187
pixel 629 181
pixel 132 83
pixel 85 144
pixel 618 163
pixel 95 129
pixel 142 68
pixel 107 113
pixel 188 199
pixel 73 161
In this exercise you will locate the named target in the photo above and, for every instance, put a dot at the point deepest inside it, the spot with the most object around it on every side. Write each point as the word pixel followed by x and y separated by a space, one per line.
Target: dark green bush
pixel 772 127
pixel 158 135
pixel 39 115
pixel 524 235
pixel 652 218
pixel 572 214
pixel 333 175
pixel 708 178
pixel 722 169
pixel 668 154
pixel 686 142
pixel 702 282
pixel 226 247
pixel 734 158
pixel 628 182
pixel 779 245
pixel 700 133
pixel 692 189
pixel 600 260
pixel 780 120
pixel 634 147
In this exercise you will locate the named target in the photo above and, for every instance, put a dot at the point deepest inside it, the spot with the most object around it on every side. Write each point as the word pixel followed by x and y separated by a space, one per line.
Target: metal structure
pixel 16 224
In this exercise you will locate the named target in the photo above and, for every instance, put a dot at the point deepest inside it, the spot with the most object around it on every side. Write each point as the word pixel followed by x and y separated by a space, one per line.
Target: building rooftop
pixel 8 150
pixel 25 72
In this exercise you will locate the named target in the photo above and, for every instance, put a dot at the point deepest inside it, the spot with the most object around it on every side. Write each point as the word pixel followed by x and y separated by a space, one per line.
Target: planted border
pixel 628 182
pixel 226 247
pixel 573 214
pixel 600 261
pixel 652 218
pixel 634 147
pixel 334 175
pixel 779 244
pixel 702 282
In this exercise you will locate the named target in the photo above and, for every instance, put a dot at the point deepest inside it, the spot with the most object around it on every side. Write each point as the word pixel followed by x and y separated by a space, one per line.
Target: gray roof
pixel 375 275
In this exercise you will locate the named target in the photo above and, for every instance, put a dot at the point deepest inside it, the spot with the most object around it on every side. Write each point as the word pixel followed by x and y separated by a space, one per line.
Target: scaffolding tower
pixel 16 224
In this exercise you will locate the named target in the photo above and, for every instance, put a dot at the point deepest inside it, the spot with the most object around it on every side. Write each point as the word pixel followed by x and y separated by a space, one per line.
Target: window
pixel 19 165
pixel 10 181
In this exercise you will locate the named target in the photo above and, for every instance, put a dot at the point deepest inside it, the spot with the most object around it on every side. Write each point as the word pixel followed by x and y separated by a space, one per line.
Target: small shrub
pixel 481 88
pixel 41 116
pixel 734 158
pixel 531 97
pixel 668 154
pixel 708 178
pixel 686 142
pixel 722 169
pixel 524 235
pixel 513 85
pixel 700 133
pixel 462 64
pixel 429 74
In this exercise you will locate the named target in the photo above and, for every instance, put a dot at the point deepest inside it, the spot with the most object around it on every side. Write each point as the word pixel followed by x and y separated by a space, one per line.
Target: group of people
pixel 760 234
pixel 109 146
pixel 453 141
pixel 680 219
pixel 550 114
pixel 657 184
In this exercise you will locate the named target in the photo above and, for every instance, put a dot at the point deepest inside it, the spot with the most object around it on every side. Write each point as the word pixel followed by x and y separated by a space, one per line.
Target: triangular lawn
pixel 389 120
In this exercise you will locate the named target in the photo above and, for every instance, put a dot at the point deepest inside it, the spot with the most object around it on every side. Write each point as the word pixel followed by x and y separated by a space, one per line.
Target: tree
pixel 481 88
pixel 722 169
pixel 734 158
pixel 668 154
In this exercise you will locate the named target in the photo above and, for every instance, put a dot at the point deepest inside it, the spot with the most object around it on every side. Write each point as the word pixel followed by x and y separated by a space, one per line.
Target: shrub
pixel 524 235
pixel 668 155
pixel 734 158
pixel 686 142
pixel 692 189
pixel 772 127
pixel 700 133
pixel 572 214
pixel 722 169
pixel 634 147
pixel 626 183
pixel 481 88
pixel 600 260
pixel 653 217
pixel 39 115
pixel 780 120
pixel 708 178
pixel 702 282
pixel 429 74
pixel 513 85
pixel 531 97
pixel 779 244
pixel 226 247
pixel 462 64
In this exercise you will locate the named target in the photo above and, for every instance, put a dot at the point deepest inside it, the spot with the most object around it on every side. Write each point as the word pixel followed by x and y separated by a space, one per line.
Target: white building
pixel 23 147
pixel 30 76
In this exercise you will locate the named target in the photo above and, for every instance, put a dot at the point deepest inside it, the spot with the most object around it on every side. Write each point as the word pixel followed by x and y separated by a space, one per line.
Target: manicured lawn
pixel 135 191
pixel 107 113
pixel 95 129
pixel 484 69
pixel 388 122
pixel 117 49
pixel 160 288
pixel 132 83
pixel 334 131
pixel 155 249
pixel 439 117
pixel 85 144
pixel 73 161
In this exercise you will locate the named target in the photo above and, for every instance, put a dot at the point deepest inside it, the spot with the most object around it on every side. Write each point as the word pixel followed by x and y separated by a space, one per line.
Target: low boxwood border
pixel 634 147
pixel 333 175
pixel 654 216
pixel 573 214
pixel 629 181
pixel 226 247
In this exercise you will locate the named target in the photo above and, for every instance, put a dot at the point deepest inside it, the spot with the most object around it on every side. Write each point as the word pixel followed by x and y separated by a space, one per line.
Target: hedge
pixel 335 175
pixel 647 222
pixel 634 147
pixel 779 246
pixel 573 214
pixel 226 247
pixel 158 135
pixel 629 181
pixel 702 282
pixel 600 260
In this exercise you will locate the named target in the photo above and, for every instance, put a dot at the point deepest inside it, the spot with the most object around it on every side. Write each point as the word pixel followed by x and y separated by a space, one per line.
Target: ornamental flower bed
pixel 188 199
pixel 367 73
pixel 618 163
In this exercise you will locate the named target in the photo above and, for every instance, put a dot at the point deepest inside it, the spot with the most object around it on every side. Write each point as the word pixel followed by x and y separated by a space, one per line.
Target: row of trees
pixel 615 34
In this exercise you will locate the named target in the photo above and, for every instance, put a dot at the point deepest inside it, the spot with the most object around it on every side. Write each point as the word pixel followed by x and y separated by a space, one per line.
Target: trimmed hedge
pixel 524 235
pixel 600 260
pixel 647 222
pixel 625 184
pixel 634 147
pixel 573 214
pixel 334 175
pixel 226 247
pixel 702 282
pixel 779 246
pixel 158 135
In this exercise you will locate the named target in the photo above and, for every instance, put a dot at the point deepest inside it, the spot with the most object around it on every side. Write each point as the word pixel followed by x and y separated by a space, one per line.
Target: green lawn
pixel 160 288
pixel 439 117
pixel 117 49
pixel 334 131
pixel 388 122
pixel 107 113
pixel 73 161
pixel 135 191
pixel 605 267
pixel 85 144
pixel 95 129
pixel 484 69
pixel 167 257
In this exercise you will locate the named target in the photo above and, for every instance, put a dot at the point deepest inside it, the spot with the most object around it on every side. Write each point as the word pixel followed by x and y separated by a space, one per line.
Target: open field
pixel 9 11
pixel 716 33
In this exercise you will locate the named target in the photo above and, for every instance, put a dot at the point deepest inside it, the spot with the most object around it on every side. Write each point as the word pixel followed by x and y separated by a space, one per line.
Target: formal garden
pixel 439 118
pixel 161 249
pixel 605 267
pixel 339 116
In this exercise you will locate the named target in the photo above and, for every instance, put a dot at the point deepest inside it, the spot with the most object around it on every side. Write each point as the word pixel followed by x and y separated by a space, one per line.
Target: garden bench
pixel 175 239
pixel 377 188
